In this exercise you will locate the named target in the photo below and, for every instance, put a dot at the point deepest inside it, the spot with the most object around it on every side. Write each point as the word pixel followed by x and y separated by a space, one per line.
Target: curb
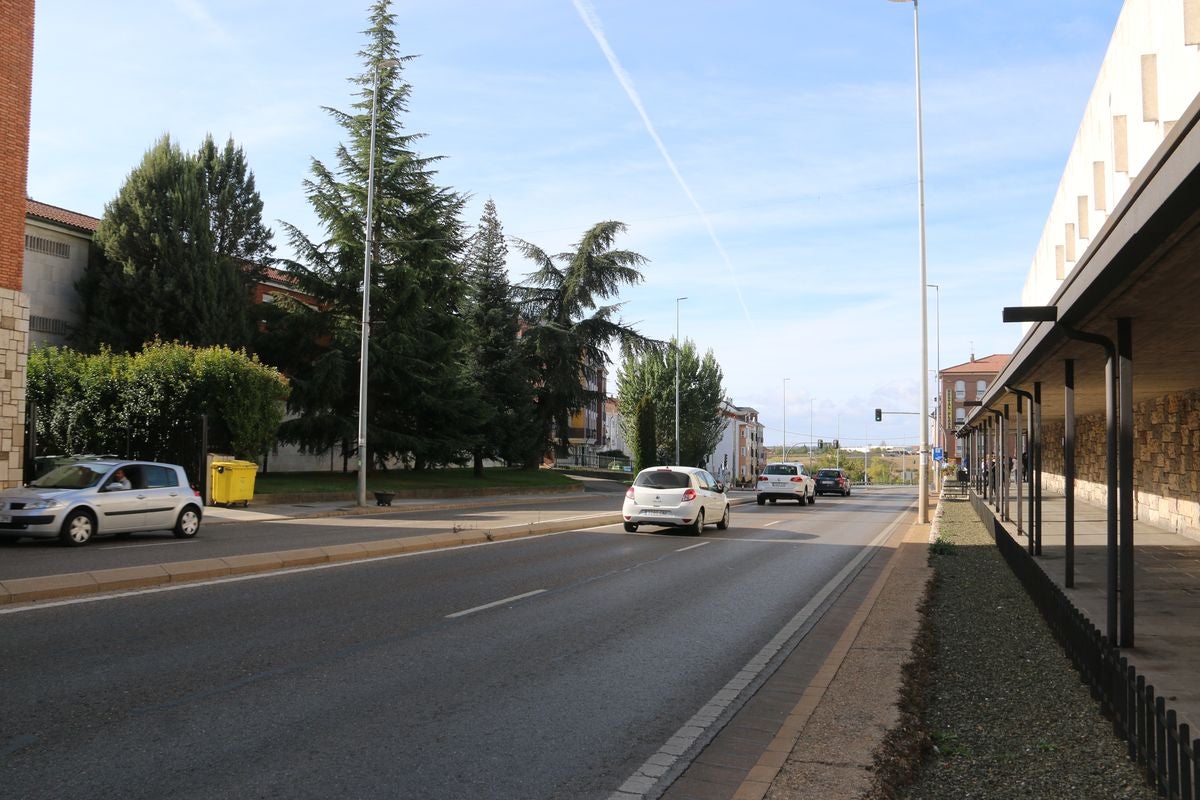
pixel 415 494
pixel 75 584
pixel 352 511
pixel 56 587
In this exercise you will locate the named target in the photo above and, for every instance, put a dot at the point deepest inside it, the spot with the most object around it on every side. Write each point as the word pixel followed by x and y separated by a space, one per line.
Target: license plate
pixel 653 512
pixel 778 483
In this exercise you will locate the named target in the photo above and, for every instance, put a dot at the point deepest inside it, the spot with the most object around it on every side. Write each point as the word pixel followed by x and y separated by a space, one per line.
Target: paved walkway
pixel 1166 594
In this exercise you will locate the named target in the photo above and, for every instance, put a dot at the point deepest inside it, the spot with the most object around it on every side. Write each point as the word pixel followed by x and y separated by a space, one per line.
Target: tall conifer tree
pixel 171 252
pixel 419 398
pixel 500 366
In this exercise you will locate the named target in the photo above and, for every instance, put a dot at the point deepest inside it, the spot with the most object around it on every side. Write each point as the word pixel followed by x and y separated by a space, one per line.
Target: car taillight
pixel 629 492
pixel 762 477
pixel 797 479
pixel 689 494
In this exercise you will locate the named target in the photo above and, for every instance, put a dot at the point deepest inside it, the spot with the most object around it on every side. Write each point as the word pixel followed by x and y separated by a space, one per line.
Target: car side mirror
pixel 720 487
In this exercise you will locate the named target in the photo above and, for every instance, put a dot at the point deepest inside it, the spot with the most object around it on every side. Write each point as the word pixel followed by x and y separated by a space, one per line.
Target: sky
pixel 763 154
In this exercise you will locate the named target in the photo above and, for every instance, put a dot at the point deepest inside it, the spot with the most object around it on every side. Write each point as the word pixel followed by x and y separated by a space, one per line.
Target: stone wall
pixel 14 338
pixel 1166 461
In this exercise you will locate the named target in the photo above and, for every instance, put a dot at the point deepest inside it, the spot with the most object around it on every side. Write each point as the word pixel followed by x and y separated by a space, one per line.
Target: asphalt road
pixel 34 557
pixel 546 667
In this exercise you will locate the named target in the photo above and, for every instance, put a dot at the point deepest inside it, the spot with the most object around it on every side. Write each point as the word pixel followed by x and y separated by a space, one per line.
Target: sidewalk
pixel 1166 594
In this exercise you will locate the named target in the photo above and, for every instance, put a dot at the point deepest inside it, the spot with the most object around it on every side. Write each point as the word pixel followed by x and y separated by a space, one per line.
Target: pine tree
pixel 235 208
pixel 419 397
pixel 169 257
pixel 499 364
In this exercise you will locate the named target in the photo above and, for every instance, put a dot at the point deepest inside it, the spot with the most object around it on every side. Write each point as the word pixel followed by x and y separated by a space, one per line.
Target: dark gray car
pixel 833 481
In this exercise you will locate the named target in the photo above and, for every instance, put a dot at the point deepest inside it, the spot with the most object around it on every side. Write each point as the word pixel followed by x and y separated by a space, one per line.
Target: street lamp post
pixel 677 299
pixel 366 291
pixel 785 380
pixel 923 482
pixel 939 428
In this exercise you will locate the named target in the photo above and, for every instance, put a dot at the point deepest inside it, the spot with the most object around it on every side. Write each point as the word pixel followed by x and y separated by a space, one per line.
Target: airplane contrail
pixel 592 21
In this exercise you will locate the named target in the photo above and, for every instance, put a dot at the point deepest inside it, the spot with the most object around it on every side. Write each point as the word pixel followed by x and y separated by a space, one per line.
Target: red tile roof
pixel 62 216
pixel 988 364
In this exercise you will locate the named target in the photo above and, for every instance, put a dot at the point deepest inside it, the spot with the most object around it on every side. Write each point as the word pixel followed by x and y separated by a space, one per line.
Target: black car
pixel 835 481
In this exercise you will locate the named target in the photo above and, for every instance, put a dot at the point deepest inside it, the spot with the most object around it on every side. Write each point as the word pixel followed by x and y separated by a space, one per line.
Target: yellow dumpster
pixel 233 481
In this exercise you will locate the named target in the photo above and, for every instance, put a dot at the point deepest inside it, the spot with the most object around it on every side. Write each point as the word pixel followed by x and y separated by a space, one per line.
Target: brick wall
pixel 16 65
pixel 1166 461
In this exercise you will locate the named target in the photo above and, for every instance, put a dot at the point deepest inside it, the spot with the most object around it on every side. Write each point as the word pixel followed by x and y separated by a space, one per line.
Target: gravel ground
pixel 991 702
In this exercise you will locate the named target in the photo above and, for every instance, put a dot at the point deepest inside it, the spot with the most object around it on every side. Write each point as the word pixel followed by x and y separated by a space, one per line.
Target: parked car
pixel 682 497
pixel 786 481
pixel 835 481
pixel 90 497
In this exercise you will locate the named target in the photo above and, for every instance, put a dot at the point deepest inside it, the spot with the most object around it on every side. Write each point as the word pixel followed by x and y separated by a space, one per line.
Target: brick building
pixel 16 64
pixel 956 385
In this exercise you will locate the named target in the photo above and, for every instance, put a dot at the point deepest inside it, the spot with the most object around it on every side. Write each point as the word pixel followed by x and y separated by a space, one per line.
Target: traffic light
pixel 879 415
pixel 836 446
pixel 820 444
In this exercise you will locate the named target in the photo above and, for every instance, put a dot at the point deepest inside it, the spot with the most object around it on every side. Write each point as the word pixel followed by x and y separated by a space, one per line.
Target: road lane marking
pixel 485 607
pixel 691 547
pixel 148 544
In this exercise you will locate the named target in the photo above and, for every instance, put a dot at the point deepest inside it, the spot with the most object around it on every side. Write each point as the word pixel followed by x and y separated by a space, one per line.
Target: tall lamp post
pixel 368 245
pixel 677 299
pixel 939 430
pixel 923 481
pixel 785 380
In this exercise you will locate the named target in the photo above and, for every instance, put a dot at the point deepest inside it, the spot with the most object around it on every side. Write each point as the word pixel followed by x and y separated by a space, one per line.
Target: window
pixel 159 477
pixel 960 390
pixel 980 388
pixel 47 325
pixel 960 416
pixel 48 246
pixel 663 479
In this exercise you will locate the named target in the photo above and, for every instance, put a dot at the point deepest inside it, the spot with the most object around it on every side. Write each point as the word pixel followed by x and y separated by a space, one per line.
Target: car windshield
pixel 781 469
pixel 828 473
pixel 663 479
pixel 71 476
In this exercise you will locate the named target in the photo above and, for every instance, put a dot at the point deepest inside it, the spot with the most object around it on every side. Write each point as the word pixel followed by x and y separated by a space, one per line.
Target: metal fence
pixel 1163 748
pixel 594 461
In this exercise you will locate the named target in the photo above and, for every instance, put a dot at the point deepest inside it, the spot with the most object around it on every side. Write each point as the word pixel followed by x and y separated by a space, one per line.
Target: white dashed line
pixel 485 607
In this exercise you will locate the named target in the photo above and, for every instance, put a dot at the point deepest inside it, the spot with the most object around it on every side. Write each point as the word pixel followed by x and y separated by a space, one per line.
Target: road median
pixel 58 587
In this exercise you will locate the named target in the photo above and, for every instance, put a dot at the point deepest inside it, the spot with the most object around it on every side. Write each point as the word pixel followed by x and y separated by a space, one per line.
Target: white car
pixel 78 501
pixel 786 481
pixel 680 497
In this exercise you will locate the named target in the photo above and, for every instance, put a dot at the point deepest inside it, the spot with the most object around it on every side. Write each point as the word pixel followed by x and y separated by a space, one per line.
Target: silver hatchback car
pixel 78 501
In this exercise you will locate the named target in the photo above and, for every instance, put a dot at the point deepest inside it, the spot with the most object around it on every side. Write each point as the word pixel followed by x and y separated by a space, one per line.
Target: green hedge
pixel 148 405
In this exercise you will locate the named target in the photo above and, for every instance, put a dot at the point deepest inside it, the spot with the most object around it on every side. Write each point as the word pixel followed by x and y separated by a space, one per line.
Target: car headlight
pixel 39 504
